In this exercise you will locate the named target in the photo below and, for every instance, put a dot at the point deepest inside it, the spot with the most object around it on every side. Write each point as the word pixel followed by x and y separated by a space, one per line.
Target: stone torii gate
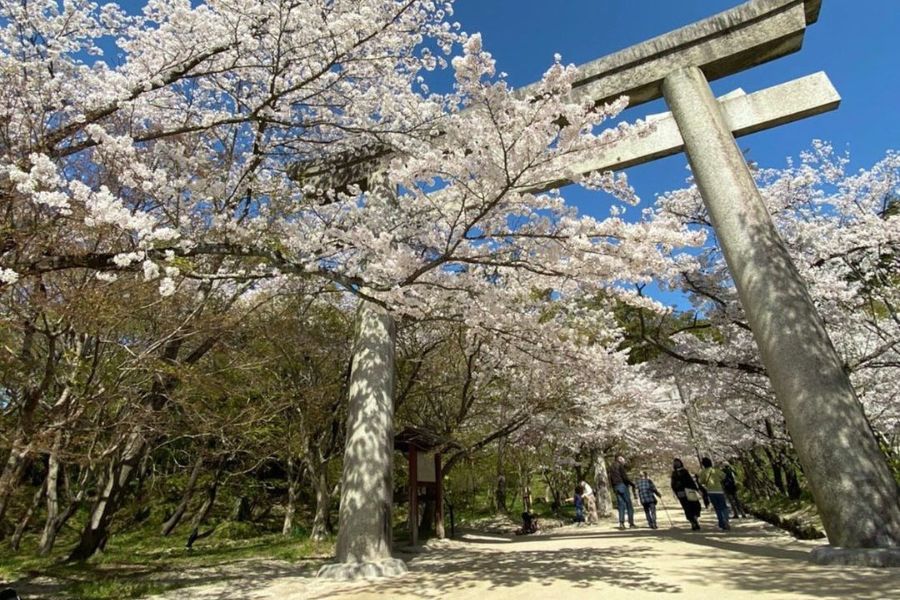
pixel 852 485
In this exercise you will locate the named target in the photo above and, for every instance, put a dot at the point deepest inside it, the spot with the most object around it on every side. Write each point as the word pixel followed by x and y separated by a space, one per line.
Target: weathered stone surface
pixel 353 571
pixel 853 487
pixel 856 557
pixel 740 38
pixel 744 114
pixel 364 533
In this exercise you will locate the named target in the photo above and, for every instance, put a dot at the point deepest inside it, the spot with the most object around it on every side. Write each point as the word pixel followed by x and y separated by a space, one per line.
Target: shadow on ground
pixel 753 560
pixel 233 577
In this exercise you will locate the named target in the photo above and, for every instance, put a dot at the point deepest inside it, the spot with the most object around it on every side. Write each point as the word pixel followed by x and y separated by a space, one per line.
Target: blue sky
pixel 854 41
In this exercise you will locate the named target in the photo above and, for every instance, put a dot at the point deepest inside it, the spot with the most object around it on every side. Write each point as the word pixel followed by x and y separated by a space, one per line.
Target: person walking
pixel 729 484
pixel 618 478
pixel 711 478
pixel 647 493
pixel 688 493
pixel 590 504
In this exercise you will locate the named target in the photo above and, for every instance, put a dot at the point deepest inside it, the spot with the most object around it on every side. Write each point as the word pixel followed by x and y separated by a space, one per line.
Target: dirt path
pixel 754 560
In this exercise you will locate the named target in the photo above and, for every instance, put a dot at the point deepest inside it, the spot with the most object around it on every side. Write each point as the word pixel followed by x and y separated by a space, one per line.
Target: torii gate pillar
pixel 858 501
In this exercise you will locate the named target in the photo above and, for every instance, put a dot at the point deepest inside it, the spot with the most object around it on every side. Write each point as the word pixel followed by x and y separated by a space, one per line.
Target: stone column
pixel 601 486
pixel 852 485
pixel 364 533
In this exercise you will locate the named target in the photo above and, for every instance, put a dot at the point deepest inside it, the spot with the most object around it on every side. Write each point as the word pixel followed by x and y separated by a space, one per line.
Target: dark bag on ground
pixel 529 524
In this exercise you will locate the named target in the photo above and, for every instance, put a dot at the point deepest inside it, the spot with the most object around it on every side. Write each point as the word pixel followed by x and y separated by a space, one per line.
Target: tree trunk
pixel 52 528
pixel 321 526
pixel 241 511
pixel 55 520
pixel 426 525
pixel 767 487
pixel 777 473
pixel 172 522
pixel 365 530
pixel 293 484
pixel 794 490
pixel 96 530
pixel 12 474
pixel 26 518
pixel 601 487
pixel 749 479
pixel 500 490
pixel 500 494
pixel 200 516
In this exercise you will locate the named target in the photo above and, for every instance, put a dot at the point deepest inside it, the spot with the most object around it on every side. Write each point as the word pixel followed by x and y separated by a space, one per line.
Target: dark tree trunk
pixel 55 519
pixel 322 519
pixel 96 530
pixel 794 490
pixel 10 477
pixel 173 521
pixel 293 489
pixel 777 471
pixel 26 518
pixel 200 516
pixel 767 488
pixel 426 525
pixel 242 510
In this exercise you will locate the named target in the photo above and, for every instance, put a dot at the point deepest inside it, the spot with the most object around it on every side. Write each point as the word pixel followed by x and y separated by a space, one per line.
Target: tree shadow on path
pixel 455 570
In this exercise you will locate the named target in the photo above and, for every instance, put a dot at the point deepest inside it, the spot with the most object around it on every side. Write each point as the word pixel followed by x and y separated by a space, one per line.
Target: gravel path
pixel 754 560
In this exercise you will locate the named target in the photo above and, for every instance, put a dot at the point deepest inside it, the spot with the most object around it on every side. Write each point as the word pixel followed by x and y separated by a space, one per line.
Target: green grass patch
pixel 139 563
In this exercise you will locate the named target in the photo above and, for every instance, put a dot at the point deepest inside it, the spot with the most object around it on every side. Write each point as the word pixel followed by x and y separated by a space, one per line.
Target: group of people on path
pixel 713 485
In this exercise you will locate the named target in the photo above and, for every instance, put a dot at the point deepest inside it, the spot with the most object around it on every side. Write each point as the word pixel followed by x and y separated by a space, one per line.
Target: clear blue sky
pixel 854 41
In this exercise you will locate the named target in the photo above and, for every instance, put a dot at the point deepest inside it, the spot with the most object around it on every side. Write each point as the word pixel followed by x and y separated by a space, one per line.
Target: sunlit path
pixel 752 561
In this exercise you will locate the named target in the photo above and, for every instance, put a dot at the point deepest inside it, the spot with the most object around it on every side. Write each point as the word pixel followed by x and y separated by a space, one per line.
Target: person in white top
pixel 590 503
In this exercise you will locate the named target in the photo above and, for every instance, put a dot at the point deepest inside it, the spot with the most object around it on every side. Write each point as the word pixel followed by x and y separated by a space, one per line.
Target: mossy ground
pixel 799 517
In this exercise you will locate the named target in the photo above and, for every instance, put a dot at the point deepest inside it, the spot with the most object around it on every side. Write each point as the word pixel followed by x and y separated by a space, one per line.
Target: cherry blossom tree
pixel 195 153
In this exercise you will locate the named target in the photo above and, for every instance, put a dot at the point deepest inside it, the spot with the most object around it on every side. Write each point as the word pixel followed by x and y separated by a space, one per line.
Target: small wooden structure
pixel 423 450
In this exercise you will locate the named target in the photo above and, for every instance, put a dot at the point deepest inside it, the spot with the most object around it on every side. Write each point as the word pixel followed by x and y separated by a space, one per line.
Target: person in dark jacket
pixel 687 491
pixel 731 489
pixel 618 478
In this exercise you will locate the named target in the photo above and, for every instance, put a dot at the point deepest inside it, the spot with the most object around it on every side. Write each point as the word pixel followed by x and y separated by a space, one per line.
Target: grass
pixel 142 562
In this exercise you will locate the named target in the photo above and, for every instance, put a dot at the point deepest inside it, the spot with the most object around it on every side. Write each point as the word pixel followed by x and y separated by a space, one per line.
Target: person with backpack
pixel 648 494
pixel 688 493
pixel 729 484
pixel 711 478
